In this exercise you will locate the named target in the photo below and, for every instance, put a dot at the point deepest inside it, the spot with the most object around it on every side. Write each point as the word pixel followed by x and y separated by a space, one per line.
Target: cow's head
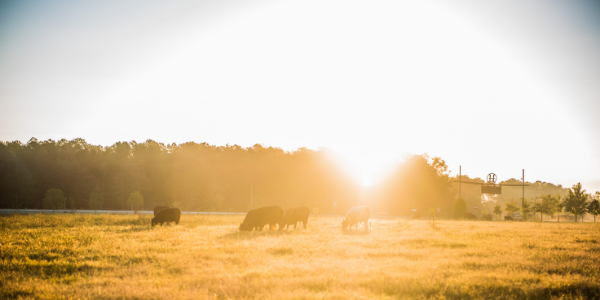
pixel 245 227
pixel 344 224
pixel 152 222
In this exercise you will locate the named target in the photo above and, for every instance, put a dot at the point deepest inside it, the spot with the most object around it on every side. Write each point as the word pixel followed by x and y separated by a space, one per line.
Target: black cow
pixel 294 215
pixel 166 216
pixel 357 215
pixel 157 209
pixel 258 218
pixel 508 218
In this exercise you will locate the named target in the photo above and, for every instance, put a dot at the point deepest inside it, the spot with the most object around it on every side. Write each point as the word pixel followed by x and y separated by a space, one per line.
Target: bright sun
pixel 366 179
pixel 366 167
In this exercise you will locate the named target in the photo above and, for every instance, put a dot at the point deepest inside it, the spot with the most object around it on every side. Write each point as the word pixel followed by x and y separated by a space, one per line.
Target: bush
pixel 470 216
pixel 54 199
pixel 460 208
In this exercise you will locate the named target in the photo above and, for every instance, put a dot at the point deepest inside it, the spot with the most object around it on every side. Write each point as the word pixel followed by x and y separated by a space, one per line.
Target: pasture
pixel 122 257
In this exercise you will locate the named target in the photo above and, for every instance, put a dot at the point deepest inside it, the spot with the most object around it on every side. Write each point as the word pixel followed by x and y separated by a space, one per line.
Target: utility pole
pixel 523 174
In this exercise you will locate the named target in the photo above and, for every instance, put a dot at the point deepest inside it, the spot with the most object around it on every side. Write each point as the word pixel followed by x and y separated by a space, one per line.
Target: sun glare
pixel 367 167
pixel 366 180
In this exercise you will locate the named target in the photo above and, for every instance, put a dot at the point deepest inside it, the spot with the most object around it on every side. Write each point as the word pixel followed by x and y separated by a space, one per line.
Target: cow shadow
pixel 356 232
pixel 135 229
pixel 250 235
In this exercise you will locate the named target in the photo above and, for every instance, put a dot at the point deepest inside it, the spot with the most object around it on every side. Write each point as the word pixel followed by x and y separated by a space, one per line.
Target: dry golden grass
pixel 122 257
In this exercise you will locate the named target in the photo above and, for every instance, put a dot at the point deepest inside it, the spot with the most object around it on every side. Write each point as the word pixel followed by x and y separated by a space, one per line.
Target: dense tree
pixel 418 182
pixel 460 208
pixel 54 199
pixel 576 201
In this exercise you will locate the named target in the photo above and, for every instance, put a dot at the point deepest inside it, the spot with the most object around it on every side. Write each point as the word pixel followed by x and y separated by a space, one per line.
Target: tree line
pixel 74 174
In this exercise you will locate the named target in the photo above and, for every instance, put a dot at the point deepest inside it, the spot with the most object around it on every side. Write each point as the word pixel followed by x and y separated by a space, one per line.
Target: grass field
pixel 114 257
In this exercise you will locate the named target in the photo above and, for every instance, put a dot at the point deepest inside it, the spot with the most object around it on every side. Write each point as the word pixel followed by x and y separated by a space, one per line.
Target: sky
pixel 493 86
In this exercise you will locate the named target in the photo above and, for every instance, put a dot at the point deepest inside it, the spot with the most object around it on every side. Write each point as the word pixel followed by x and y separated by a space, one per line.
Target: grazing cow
pixel 166 216
pixel 294 215
pixel 357 215
pixel 157 209
pixel 508 218
pixel 470 216
pixel 258 218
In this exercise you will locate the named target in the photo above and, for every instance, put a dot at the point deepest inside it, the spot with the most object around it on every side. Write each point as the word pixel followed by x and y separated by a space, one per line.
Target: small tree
pixel 525 207
pixel 54 199
pixel 594 208
pixel 460 208
pixel 545 205
pixel 576 201
pixel 511 207
pixel 135 200
pixel 96 199
pixel 498 210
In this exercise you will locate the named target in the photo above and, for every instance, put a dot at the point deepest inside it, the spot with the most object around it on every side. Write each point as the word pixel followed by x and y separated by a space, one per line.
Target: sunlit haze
pixel 495 87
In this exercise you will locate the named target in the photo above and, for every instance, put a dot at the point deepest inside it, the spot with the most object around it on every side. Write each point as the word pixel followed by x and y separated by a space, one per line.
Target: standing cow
pixel 357 215
pixel 258 218
pixel 295 215
pixel 166 216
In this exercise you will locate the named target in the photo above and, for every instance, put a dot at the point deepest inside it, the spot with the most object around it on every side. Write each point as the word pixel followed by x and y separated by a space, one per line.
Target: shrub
pixel 54 199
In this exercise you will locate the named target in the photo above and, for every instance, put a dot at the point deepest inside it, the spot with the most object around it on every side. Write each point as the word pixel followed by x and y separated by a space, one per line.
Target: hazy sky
pixel 494 86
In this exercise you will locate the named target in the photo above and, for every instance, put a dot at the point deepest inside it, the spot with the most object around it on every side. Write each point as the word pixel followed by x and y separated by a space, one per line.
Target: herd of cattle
pixel 273 216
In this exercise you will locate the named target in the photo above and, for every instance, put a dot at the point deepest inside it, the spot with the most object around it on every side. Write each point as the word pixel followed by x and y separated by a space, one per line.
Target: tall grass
pixel 108 257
